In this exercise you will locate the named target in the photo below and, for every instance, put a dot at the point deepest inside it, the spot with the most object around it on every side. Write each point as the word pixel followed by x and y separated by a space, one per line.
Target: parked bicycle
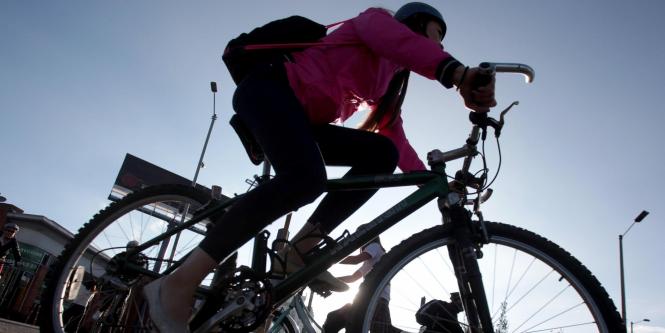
pixel 524 282
pixel 294 316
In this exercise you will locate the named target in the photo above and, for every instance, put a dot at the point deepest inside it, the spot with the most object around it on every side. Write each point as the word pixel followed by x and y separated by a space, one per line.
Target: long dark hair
pixel 390 104
pixel 386 113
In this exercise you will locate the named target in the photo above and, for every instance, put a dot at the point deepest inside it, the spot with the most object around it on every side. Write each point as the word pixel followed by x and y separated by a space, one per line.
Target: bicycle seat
pixel 252 147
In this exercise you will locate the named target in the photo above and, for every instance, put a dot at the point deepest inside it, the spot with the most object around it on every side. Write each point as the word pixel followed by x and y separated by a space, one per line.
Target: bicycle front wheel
pixel 532 285
pixel 118 305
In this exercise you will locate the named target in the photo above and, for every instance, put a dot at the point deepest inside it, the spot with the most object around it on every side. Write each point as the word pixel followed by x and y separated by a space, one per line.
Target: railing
pixel 20 288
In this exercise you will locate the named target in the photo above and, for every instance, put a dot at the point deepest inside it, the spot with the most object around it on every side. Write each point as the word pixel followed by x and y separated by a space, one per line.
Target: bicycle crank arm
pixel 234 306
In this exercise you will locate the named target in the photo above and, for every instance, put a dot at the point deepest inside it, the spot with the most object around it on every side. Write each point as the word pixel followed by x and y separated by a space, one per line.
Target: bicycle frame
pixel 433 184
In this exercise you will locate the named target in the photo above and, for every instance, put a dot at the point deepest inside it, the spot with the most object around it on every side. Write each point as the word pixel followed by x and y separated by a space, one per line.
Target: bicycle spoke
pixel 512 269
pixel 526 270
pixel 551 329
pixel 530 329
pixel 445 261
pixel 434 276
pixel 529 291
pixel 516 285
pixel 534 289
pixel 542 307
pixel 101 247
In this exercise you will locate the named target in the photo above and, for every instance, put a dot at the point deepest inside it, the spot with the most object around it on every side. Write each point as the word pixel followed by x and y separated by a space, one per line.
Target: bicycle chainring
pixel 251 294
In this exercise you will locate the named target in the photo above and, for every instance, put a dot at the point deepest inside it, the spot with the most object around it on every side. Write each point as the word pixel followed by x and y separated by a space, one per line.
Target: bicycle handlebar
pixel 480 120
pixel 488 69
pixel 504 67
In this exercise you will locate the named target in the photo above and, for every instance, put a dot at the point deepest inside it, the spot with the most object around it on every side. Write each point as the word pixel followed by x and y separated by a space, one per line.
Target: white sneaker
pixel 162 321
pixel 331 282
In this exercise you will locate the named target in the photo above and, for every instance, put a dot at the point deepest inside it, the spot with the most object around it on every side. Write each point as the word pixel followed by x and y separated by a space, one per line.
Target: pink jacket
pixel 363 54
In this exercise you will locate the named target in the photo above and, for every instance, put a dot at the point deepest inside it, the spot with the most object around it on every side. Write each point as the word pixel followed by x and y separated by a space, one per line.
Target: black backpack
pixel 270 42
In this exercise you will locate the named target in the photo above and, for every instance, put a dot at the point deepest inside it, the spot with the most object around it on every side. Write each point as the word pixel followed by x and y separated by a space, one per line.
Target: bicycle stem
pixel 467 151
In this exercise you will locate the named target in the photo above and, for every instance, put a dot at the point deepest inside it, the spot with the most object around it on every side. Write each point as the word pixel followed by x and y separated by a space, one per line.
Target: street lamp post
pixel 643 320
pixel 638 219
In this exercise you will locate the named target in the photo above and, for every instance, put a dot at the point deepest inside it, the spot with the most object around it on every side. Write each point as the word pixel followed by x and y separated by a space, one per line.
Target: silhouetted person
pixel 439 316
pixel 8 243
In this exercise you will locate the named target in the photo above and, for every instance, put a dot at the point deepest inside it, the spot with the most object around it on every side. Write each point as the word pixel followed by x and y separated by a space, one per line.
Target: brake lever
pixel 503 113
pixel 499 124
pixel 482 120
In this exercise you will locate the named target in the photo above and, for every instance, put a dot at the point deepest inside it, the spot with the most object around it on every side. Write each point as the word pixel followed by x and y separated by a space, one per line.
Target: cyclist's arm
pixel 351 278
pixel 354 260
pixel 394 41
pixel 408 158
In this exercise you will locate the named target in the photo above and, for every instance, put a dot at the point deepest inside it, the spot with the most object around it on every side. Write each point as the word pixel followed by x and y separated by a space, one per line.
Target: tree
pixel 502 325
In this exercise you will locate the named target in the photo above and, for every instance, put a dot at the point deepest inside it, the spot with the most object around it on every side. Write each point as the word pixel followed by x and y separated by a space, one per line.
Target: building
pixel 41 241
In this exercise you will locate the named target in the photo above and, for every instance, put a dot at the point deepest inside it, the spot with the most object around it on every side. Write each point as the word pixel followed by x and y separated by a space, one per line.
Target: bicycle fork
pixel 464 255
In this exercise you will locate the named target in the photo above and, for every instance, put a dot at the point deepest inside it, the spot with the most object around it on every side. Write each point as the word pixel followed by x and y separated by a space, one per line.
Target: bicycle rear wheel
pixel 118 305
pixel 532 285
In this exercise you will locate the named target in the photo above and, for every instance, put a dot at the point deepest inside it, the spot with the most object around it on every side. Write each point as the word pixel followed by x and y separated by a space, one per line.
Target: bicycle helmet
pixel 11 226
pixel 418 11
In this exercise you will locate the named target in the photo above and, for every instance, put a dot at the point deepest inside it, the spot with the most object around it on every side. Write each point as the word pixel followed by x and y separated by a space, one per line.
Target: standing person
pixel 74 315
pixel 8 243
pixel 288 108
pixel 369 255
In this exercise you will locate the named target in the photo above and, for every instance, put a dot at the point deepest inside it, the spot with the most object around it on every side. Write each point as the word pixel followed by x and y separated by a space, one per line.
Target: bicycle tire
pixel 154 206
pixel 524 312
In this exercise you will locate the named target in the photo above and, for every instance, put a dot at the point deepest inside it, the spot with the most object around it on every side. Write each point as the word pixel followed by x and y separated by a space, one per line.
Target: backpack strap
pixel 293 45
pixel 336 24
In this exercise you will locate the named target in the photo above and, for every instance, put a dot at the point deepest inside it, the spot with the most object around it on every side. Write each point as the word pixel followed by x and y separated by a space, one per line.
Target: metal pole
pixel 213 88
pixel 623 290
pixel 638 219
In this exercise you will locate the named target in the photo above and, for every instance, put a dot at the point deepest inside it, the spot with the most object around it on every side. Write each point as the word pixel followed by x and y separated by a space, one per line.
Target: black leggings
pixel 298 152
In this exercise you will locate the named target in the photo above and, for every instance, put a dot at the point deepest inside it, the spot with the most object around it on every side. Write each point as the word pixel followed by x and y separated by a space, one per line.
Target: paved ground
pixel 8 326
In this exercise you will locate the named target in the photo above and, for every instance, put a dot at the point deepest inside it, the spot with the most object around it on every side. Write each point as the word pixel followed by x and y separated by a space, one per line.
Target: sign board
pixel 136 174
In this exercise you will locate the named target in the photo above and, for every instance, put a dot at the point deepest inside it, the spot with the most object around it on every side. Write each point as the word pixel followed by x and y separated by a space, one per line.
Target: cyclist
pixel 288 107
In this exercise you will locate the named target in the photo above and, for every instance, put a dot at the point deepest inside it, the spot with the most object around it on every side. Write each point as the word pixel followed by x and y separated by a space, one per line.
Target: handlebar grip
pixel 484 76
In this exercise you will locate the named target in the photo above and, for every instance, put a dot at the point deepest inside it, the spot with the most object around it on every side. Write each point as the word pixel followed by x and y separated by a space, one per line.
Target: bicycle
pixel 434 262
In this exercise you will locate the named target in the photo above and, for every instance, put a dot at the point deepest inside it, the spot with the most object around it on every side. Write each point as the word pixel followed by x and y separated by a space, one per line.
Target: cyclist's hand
pixel 479 99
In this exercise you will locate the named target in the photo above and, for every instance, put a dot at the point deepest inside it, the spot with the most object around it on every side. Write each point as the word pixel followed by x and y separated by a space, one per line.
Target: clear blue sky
pixel 84 82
